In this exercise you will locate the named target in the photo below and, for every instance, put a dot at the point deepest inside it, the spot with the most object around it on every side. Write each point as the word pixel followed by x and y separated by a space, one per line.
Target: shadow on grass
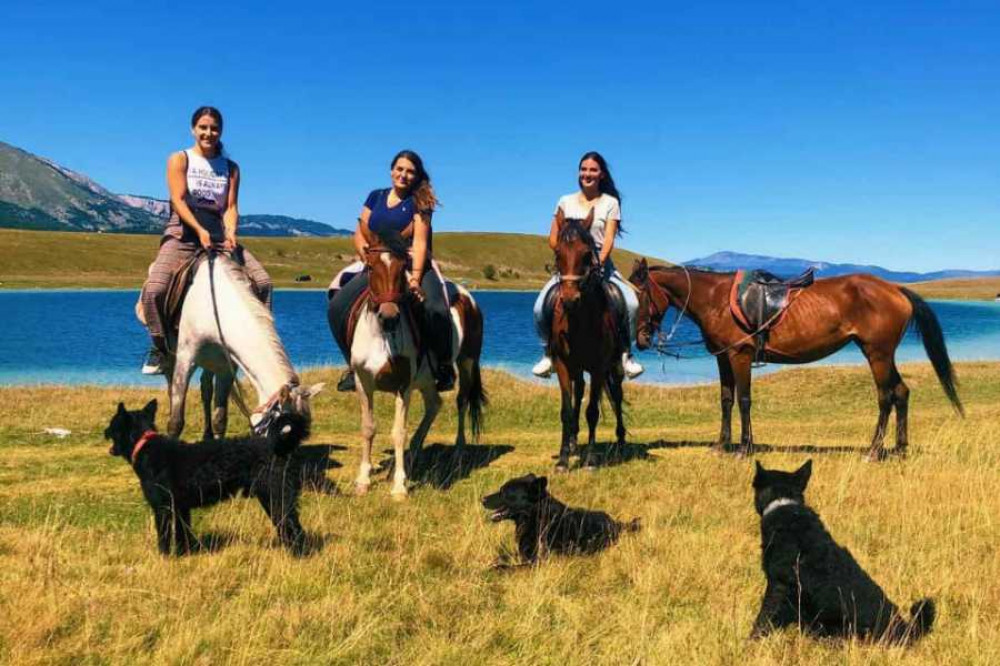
pixel 213 542
pixel 732 449
pixel 440 465
pixel 314 460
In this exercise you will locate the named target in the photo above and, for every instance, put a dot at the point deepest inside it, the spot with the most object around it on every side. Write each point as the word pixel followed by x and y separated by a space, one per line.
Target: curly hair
pixel 421 190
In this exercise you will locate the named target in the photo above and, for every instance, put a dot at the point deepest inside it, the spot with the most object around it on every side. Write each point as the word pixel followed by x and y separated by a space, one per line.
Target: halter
pixel 666 298
pixel 393 296
pixel 272 409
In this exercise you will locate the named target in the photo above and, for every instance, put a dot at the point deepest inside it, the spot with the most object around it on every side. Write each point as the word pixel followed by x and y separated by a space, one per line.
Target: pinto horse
pixel 386 355
pixel 859 308
pixel 583 337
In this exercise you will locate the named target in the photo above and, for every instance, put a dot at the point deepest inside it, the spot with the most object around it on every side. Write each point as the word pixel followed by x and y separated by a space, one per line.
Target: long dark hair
pixel 421 190
pixel 607 184
pixel 212 112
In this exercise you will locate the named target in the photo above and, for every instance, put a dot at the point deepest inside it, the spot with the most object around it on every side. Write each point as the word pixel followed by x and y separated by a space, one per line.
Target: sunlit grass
pixel 80 579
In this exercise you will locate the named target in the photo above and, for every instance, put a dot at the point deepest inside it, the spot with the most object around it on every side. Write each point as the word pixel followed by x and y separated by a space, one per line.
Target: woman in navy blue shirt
pixel 408 204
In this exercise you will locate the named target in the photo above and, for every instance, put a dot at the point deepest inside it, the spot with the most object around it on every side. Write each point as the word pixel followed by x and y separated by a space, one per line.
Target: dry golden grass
pixel 978 289
pixel 81 582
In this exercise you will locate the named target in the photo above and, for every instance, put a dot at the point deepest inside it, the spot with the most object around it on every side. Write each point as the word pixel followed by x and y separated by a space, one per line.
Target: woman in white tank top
pixel 204 214
pixel 598 193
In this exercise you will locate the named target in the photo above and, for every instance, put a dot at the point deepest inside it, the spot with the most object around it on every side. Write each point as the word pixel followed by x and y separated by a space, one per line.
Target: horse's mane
pixel 394 242
pixel 573 229
pixel 257 310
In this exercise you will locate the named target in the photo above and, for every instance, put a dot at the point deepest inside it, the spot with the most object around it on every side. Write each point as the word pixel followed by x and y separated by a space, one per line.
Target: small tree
pixel 490 272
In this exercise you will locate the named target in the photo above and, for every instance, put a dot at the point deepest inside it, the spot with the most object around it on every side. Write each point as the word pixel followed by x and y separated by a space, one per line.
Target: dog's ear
pixel 802 475
pixel 541 483
pixel 150 410
pixel 121 409
pixel 760 476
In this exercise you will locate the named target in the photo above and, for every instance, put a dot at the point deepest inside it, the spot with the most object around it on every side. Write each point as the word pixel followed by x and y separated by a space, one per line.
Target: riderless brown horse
pixel 584 338
pixel 822 318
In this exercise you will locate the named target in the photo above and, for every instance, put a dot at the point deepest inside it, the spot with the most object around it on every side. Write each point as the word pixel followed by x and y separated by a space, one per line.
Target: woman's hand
pixel 204 238
pixel 415 288
pixel 230 243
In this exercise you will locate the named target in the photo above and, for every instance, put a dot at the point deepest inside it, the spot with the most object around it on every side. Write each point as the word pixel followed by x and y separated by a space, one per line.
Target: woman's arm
pixel 554 233
pixel 610 231
pixel 231 216
pixel 177 186
pixel 421 231
pixel 361 232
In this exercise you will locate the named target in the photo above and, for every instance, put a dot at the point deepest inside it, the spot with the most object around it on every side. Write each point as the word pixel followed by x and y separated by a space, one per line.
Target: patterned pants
pixel 172 255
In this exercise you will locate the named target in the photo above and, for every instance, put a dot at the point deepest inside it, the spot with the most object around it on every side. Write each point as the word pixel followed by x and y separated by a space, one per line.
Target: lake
pixel 92 337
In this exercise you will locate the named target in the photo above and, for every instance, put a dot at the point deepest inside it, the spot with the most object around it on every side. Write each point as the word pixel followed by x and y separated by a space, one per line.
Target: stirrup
pixel 543 368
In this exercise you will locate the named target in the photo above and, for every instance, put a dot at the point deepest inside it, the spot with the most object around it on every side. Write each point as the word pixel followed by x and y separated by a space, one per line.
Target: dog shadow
pixel 211 542
pixel 314 461
pixel 441 466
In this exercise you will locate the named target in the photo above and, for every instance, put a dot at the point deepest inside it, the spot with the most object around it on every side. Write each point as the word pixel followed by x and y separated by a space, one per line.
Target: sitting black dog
pixel 813 582
pixel 177 477
pixel 544 524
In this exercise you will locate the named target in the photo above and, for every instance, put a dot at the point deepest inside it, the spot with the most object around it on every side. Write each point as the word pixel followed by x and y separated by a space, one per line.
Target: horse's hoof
pixel 361 488
pixel 398 495
pixel 876 456
pixel 562 468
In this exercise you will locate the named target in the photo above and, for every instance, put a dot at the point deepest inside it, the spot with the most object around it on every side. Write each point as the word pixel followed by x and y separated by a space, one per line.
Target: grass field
pixel 395 583
pixel 50 259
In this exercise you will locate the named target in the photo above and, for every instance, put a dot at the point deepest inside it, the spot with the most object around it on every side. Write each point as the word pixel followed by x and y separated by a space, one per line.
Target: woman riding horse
pixel 405 208
pixel 599 195
pixel 204 214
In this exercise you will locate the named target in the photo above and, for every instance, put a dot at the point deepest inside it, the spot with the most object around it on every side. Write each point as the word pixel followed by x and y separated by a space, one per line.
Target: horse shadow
pixel 606 454
pixel 732 449
pixel 313 462
pixel 442 465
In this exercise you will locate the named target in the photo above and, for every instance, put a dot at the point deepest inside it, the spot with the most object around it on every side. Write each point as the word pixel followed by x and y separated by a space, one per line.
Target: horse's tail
pixel 478 400
pixel 287 432
pixel 930 332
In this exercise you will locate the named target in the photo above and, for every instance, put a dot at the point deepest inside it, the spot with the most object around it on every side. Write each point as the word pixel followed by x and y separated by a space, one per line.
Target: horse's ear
pixel 640 271
pixel 315 388
pixel 589 220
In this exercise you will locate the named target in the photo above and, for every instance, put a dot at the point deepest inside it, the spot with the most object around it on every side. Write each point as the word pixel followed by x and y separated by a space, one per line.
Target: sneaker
pixel 346 383
pixel 543 368
pixel 153 365
pixel 631 366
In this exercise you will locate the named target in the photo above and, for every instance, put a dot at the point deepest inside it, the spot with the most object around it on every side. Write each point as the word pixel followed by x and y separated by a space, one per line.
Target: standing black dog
pixel 177 477
pixel 544 524
pixel 813 582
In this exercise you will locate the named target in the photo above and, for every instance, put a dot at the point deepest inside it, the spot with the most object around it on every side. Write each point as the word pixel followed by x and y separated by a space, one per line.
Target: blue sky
pixel 865 133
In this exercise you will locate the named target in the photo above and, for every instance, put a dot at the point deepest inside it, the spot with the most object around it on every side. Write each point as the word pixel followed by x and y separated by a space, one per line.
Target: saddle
pixel 759 301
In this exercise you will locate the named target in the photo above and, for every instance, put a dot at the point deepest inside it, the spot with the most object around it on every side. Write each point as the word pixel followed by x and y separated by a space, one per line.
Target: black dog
pixel 177 477
pixel 813 582
pixel 545 524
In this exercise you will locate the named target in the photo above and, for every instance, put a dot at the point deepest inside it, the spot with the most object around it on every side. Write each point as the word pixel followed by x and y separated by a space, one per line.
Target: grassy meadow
pixel 410 582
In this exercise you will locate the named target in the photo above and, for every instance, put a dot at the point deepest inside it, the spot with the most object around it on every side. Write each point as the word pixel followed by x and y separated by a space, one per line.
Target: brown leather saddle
pixel 759 301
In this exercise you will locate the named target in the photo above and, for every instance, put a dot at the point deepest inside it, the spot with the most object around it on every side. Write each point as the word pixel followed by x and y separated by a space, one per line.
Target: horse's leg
pixel 593 415
pixel 220 420
pixel 901 400
pixel 740 363
pixel 727 384
pixel 617 400
pixel 207 389
pixel 882 372
pixel 465 367
pixel 566 415
pixel 398 443
pixel 432 403
pixel 365 391
pixel 579 386
pixel 183 367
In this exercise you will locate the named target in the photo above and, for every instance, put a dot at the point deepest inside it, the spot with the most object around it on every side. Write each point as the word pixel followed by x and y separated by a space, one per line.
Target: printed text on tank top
pixel 207 181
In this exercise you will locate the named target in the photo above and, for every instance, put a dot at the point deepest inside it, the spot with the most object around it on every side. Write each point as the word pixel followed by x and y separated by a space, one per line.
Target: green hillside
pixel 86 260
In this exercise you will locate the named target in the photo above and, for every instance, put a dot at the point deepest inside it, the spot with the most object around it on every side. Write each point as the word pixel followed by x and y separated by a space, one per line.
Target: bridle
pixel 657 298
pixel 395 295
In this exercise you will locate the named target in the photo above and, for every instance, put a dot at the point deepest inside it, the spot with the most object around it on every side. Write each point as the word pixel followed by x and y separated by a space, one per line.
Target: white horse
pixel 385 357
pixel 223 327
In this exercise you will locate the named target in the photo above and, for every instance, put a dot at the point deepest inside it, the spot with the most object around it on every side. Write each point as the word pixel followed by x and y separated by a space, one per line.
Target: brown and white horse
pixel 387 356
pixel 859 308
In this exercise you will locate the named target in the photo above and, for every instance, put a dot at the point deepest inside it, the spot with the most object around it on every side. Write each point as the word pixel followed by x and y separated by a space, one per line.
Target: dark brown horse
pixel 859 308
pixel 584 338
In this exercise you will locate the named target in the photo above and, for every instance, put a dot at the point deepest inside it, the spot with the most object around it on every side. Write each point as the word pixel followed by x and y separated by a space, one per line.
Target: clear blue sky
pixel 866 134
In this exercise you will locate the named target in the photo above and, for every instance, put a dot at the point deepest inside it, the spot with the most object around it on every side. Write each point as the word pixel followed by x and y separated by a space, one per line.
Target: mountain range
pixel 731 261
pixel 37 193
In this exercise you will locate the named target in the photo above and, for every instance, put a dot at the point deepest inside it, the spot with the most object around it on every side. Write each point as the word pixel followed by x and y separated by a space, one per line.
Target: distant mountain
pixel 731 261
pixel 36 193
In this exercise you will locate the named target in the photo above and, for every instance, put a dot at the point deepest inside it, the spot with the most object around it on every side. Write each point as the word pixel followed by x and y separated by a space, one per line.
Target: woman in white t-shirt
pixel 598 193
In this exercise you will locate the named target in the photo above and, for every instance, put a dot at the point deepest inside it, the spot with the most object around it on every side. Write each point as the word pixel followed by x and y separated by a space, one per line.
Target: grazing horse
pixel 859 308
pixel 584 338
pixel 387 355
pixel 223 326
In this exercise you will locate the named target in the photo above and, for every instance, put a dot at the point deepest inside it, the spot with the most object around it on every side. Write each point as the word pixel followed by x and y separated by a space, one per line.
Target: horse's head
pixel 653 304
pixel 387 259
pixel 291 400
pixel 576 257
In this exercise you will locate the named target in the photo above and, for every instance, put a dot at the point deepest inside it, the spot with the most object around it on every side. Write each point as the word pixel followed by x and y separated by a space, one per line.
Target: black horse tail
pixel 930 332
pixel 477 400
pixel 287 432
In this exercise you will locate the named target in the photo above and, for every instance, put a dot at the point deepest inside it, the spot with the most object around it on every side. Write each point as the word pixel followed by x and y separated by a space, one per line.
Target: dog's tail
pixel 287 432
pixel 922 616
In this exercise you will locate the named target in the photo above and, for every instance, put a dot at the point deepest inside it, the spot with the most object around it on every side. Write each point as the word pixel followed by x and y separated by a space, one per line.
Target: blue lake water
pixel 92 337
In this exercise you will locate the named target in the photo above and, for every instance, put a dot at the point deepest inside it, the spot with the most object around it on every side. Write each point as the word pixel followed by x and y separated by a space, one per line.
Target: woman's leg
pixel 632 367
pixel 258 276
pixel 542 327
pixel 171 256
pixel 439 321
pixel 339 309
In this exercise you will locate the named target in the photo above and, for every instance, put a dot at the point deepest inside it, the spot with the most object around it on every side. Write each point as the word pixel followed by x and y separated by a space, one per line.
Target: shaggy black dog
pixel 177 477
pixel 814 583
pixel 544 524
